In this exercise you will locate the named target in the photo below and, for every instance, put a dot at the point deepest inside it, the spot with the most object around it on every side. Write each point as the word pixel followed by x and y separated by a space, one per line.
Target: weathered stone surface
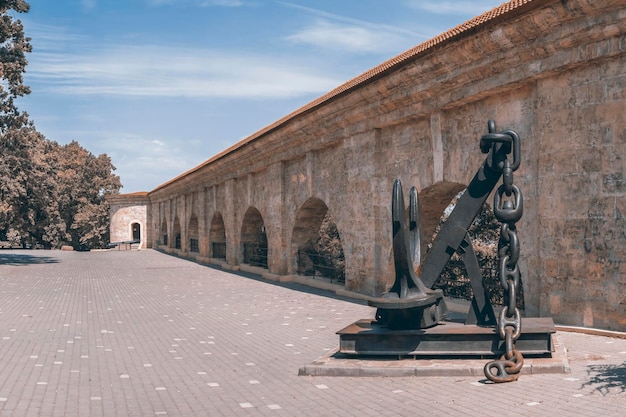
pixel 553 71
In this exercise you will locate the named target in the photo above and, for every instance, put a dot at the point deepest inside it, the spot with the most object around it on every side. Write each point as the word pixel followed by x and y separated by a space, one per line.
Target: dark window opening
pixel 219 250
pixel 255 254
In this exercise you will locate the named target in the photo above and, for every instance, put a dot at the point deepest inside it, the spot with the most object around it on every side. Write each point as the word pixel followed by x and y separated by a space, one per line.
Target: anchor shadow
pixel 604 378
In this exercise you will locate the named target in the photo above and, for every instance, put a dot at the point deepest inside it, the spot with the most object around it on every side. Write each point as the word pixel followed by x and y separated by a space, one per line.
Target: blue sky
pixel 162 85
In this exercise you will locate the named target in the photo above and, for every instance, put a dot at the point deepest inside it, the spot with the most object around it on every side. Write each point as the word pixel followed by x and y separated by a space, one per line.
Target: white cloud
pixel 458 7
pixel 336 32
pixel 89 4
pixel 49 37
pixel 173 72
pixel 141 160
pixel 199 3
pixel 355 39
pixel 352 21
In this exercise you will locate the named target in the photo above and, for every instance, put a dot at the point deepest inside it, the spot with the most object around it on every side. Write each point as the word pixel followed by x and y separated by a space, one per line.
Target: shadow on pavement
pixel 291 285
pixel 7 258
pixel 295 286
pixel 607 377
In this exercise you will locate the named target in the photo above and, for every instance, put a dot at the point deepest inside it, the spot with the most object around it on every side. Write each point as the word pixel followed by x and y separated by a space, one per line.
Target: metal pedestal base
pixel 446 339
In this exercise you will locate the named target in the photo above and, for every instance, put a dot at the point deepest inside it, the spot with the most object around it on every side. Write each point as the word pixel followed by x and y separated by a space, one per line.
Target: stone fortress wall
pixel 554 71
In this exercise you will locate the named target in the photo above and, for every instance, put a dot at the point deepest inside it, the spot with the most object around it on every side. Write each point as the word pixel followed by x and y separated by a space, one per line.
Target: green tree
pixel 83 181
pixel 50 195
pixel 14 163
pixel 13 48
pixel 22 182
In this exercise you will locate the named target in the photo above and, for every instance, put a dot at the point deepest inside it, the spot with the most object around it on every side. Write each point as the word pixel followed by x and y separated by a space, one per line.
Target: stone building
pixel 129 218
pixel 552 70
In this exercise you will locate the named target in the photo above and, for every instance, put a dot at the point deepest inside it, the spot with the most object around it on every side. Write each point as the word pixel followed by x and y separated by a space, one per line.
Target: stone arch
pixel 176 241
pixel 164 235
pixel 193 235
pixel 254 239
pixel 316 247
pixel 217 237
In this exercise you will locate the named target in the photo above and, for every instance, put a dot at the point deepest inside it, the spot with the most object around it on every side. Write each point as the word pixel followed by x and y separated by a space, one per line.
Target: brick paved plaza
pixel 140 333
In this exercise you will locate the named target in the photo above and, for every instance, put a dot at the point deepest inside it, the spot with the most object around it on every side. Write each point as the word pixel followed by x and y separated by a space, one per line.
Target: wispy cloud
pixel 145 160
pixel 334 31
pixel 173 72
pixel 458 7
pixel 337 32
pixel 198 3
pixel 89 5
pixel 356 39
pixel 350 20
pixel 49 37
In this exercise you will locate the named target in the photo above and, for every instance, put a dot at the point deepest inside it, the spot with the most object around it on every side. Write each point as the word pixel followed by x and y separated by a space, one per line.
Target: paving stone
pixel 116 307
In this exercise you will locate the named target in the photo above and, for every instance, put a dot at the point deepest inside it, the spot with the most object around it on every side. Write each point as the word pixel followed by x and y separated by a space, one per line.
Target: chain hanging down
pixel 508 209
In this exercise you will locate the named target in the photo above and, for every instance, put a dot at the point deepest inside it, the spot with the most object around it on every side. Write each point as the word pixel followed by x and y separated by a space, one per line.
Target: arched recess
pixel 192 232
pixel 254 239
pixel 176 243
pixel 217 237
pixel 436 204
pixel 164 236
pixel 316 244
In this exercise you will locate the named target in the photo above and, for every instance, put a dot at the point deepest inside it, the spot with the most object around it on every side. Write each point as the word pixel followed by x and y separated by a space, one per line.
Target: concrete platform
pixel 448 338
pixel 337 364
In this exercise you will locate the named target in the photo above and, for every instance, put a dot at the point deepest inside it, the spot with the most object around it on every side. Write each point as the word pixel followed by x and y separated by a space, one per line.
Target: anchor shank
pixel 453 231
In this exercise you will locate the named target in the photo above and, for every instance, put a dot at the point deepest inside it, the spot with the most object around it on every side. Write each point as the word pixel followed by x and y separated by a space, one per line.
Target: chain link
pixel 508 209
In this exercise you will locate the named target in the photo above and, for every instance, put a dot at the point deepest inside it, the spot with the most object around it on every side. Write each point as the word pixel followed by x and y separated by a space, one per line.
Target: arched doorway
pixel 217 237
pixel 135 232
pixel 254 239
pixel 316 244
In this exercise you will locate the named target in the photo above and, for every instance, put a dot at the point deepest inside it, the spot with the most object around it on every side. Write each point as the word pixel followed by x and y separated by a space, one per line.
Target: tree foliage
pixel 13 48
pixel 50 194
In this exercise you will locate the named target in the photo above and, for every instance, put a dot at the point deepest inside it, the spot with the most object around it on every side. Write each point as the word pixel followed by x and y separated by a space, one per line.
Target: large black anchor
pixel 411 303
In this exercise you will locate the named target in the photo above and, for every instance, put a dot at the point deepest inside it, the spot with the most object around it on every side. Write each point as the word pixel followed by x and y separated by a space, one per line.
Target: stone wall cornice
pixel 134 198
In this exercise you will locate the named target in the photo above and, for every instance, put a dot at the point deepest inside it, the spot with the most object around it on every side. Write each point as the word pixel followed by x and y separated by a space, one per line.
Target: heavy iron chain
pixel 508 209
